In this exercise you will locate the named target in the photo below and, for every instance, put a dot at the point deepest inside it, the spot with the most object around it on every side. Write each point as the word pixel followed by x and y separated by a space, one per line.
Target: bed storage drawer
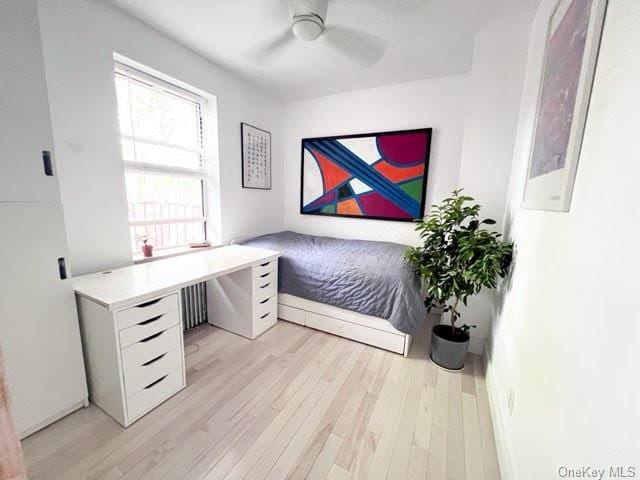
pixel 151 347
pixel 138 377
pixel 146 328
pixel 360 333
pixel 291 314
pixel 153 394
pixel 145 311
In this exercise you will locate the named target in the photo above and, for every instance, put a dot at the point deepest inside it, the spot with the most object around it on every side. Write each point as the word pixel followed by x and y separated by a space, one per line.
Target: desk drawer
pixel 265 317
pixel 266 306
pixel 264 268
pixel 150 348
pixel 148 327
pixel 154 394
pixel 138 377
pixel 264 289
pixel 145 311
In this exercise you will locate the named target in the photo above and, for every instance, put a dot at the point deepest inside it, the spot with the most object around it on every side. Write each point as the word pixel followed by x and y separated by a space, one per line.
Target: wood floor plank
pixel 227 417
pixel 237 390
pixel 337 473
pixel 437 460
pixel 326 425
pixel 424 420
pixel 324 461
pixel 455 430
pixel 224 465
pixel 404 437
pixel 175 412
pixel 356 432
pixel 310 391
pixel 294 435
pixel 417 463
pixel 472 440
pixel 295 448
pixel 381 408
pixel 386 441
pixel 362 461
pixel 190 424
pixel 489 455
pixel 294 403
pixel 260 410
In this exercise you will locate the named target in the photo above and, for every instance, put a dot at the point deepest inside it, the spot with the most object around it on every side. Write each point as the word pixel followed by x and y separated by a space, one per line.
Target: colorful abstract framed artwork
pixel 573 39
pixel 380 176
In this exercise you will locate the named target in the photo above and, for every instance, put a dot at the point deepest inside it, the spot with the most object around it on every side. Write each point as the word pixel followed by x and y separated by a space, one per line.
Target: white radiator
pixel 194 305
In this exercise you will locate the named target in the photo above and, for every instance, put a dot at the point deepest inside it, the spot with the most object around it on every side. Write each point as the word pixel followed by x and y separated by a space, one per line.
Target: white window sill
pixel 168 253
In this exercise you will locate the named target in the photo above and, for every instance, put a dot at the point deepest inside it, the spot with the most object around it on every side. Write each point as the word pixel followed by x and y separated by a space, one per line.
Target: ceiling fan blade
pixel 274 47
pixel 360 46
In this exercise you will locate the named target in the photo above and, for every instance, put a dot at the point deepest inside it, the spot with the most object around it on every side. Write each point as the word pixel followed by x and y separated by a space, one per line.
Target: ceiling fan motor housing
pixel 307 27
pixel 307 18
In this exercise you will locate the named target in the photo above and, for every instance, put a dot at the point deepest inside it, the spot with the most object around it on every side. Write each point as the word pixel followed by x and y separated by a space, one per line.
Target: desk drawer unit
pixel 134 356
pixel 139 377
pixel 265 296
pixel 147 310
pixel 142 331
pixel 245 302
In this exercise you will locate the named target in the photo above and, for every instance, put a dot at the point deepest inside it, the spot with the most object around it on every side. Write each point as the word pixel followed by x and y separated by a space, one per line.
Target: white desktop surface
pixel 127 286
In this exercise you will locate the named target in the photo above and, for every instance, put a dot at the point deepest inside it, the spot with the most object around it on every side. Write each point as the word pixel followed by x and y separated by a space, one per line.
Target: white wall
pixel 566 336
pixel 438 103
pixel 79 40
pixel 493 98
pixel 474 117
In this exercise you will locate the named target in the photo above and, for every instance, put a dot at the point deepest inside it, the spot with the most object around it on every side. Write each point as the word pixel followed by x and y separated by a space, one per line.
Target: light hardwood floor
pixel 294 403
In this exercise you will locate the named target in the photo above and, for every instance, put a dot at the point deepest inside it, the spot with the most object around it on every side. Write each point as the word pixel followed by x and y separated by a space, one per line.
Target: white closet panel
pixel 25 129
pixel 39 333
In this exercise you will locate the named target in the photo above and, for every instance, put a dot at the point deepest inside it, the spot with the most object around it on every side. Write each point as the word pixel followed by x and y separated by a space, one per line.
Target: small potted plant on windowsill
pixel 147 249
pixel 457 259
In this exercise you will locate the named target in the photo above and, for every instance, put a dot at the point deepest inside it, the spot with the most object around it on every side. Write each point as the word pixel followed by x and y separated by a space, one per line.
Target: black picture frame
pixel 427 130
pixel 242 158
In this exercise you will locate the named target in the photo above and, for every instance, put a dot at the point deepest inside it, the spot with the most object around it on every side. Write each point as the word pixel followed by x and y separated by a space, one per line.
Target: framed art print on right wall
pixel 572 43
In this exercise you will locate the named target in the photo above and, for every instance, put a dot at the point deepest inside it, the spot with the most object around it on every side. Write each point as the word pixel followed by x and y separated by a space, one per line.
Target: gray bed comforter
pixel 366 277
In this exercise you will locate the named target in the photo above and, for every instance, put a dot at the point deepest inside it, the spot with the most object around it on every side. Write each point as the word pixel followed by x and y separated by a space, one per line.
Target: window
pixel 162 148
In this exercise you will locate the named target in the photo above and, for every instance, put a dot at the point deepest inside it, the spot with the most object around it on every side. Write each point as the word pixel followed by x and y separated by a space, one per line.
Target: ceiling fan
pixel 307 20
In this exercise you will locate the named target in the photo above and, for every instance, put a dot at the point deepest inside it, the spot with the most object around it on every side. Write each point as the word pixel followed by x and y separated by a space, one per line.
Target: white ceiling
pixel 424 38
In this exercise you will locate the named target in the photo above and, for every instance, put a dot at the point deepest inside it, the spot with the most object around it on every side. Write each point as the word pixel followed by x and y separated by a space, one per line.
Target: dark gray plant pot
pixel 447 351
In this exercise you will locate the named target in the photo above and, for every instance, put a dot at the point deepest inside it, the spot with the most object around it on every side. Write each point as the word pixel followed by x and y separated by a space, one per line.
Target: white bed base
pixel 374 331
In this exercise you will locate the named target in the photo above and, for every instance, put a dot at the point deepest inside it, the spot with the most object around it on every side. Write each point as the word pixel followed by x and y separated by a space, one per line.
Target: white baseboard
pixel 476 345
pixel 498 418
pixel 39 426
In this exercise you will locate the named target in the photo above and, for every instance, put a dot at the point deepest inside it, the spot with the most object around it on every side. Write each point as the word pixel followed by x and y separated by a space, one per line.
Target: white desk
pixel 131 320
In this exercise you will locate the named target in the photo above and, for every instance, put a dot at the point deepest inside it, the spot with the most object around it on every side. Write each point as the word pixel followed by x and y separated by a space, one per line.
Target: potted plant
pixel 457 259
pixel 147 249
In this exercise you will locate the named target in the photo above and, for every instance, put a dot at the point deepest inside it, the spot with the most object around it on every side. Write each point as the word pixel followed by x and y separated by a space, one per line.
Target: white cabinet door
pixel 39 333
pixel 25 125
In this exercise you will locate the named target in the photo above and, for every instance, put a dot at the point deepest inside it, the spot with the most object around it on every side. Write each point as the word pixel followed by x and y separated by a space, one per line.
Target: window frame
pixel 151 81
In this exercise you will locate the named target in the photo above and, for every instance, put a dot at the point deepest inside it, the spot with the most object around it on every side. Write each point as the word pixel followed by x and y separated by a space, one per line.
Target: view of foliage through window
pixel 162 150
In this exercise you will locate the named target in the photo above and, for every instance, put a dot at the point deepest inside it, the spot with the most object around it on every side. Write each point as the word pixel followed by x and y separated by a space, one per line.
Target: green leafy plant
pixel 457 257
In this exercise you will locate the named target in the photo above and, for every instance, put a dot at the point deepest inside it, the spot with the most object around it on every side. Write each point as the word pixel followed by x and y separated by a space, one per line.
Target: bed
pixel 362 290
